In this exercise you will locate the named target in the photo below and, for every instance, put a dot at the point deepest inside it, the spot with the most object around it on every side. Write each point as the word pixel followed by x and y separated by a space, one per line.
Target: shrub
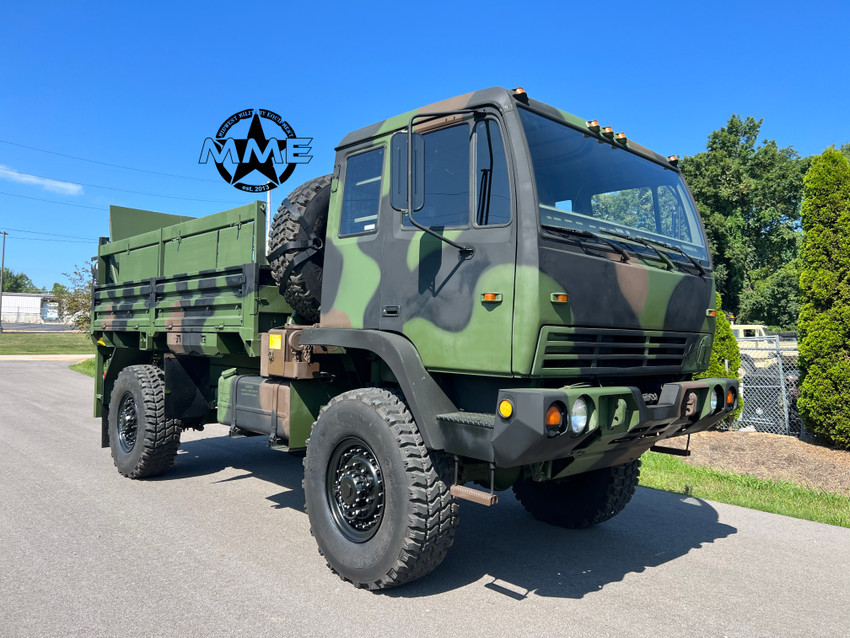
pixel 824 323
pixel 723 349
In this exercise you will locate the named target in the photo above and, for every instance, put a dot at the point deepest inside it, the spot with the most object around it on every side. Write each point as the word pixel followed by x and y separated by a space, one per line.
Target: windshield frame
pixel 583 222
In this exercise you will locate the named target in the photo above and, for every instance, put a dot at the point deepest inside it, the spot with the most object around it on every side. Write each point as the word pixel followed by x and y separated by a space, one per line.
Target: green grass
pixel 663 472
pixel 45 343
pixel 86 366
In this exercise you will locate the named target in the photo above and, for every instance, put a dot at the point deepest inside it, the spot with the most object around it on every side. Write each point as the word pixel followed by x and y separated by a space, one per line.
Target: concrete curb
pixel 45 357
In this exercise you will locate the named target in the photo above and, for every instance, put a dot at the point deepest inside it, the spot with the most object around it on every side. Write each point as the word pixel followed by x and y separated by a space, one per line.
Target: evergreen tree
pixel 824 323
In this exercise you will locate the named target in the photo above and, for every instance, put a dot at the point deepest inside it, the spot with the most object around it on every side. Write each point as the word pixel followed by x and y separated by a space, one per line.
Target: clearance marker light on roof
pixel 608 132
pixel 520 94
pixel 593 125
pixel 621 137
pixel 673 160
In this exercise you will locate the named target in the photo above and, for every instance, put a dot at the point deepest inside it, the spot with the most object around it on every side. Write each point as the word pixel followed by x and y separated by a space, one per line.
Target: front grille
pixel 572 351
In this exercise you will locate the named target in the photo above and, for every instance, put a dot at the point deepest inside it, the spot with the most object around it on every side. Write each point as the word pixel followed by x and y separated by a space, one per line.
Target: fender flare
pixel 423 395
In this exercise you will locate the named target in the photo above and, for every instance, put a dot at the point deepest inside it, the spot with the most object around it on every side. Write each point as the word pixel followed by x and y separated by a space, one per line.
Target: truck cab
pixel 516 246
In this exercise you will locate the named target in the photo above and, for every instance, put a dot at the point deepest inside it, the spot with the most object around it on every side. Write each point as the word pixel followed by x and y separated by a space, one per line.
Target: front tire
pixel 581 500
pixel 377 499
pixel 143 442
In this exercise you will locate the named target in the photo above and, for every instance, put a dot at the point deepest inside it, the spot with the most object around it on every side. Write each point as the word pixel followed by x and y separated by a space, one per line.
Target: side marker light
pixel 506 409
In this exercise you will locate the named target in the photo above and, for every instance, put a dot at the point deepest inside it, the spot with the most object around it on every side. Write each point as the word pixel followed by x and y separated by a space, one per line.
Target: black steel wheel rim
pixel 128 423
pixel 354 488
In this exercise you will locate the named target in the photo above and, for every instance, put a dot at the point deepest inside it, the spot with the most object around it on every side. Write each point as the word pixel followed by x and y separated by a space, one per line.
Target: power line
pixel 37 232
pixel 53 201
pixel 121 190
pixel 128 168
pixel 61 241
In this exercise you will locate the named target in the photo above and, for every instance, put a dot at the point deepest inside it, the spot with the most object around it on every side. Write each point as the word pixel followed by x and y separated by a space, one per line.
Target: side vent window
pixel 362 195
pixel 492 186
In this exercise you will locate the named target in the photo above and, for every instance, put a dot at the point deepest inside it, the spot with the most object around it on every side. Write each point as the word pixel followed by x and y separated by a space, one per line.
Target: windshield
pixel 589 185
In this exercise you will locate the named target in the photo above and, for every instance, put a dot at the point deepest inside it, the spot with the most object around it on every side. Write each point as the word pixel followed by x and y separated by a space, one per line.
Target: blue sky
pixel 141 85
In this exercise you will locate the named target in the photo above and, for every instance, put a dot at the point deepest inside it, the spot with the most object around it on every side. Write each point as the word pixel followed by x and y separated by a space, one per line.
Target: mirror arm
pixel 466 252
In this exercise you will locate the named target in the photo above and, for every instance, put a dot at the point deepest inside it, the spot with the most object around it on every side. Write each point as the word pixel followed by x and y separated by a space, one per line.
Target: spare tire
pixel 302 285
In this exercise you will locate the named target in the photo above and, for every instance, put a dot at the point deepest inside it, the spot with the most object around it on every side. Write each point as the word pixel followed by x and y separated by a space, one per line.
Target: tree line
pixel 750 196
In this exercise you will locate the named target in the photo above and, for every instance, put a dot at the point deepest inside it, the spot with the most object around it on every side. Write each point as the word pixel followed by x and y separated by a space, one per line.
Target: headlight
pixel 578 416
pixel 714 401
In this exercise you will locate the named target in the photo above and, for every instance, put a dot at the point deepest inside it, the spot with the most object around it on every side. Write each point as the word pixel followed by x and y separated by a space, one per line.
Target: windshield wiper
pixel 652 243
pixel 676 249
pixel 624 257
pixel 667 261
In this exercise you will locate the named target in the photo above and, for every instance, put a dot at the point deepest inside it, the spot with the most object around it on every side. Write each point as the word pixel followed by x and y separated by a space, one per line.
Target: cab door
pixel 455 305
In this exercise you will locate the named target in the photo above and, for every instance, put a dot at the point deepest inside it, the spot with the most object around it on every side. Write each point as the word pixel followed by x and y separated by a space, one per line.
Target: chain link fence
pixel 770 386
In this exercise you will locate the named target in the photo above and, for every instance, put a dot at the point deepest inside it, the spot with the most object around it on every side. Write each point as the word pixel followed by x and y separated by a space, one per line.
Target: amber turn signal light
pixel 554 416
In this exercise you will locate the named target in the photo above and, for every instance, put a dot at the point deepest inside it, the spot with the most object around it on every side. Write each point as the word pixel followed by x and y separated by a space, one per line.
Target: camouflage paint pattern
pixel 439 295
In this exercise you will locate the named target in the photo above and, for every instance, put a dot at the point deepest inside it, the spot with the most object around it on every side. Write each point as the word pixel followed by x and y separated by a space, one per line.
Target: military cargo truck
pixel 486 293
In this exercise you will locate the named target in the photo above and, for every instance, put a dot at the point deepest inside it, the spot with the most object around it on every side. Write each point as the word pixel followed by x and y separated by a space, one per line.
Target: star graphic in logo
pixel 267 168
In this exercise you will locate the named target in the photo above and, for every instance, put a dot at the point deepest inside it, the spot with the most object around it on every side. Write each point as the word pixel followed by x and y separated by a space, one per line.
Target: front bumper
pixel 620 425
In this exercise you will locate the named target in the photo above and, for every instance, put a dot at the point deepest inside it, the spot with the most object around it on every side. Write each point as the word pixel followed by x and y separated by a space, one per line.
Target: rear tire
pixel 303 287
pixel 377 499
pixel 143 442
pixel 581 500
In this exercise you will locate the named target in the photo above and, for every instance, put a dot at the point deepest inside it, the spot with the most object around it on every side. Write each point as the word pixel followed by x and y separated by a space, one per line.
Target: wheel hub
pixel 128 423
pixel 355 489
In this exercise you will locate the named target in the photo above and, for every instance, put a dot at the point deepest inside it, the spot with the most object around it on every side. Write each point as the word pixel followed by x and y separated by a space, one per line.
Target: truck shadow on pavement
pixel 504 547
pixel 516 555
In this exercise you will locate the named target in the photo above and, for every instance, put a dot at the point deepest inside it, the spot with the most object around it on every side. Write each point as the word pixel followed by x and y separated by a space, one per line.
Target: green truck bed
pixel 212 294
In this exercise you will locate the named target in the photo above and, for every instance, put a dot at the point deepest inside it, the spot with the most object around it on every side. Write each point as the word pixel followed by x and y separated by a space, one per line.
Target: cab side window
pixel 446 179
pixel 362 194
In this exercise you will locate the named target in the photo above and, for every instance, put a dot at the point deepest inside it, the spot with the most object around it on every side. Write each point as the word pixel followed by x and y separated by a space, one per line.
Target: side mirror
pixel 400 176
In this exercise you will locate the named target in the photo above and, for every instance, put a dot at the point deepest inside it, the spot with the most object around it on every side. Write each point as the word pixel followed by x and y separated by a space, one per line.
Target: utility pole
pixel 2 268
pixel 268 217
